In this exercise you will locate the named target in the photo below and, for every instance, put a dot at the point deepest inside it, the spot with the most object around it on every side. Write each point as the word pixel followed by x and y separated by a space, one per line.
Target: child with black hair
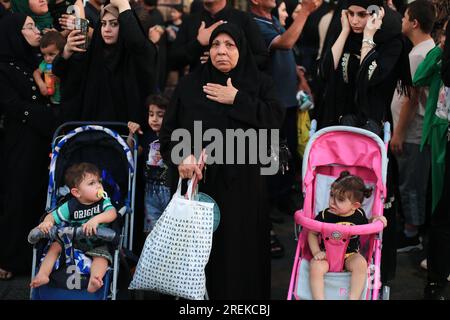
pixel 175 21
pixel 346 197
pixel 157 192
pixel 52 44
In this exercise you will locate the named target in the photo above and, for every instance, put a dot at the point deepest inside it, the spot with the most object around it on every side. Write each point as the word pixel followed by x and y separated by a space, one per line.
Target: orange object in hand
pixel 49 79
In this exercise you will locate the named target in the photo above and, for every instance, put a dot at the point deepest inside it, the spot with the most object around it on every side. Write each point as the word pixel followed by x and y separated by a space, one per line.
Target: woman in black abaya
pixel 229 93
pixel 360 90
pixel 116 74
pixel 28 128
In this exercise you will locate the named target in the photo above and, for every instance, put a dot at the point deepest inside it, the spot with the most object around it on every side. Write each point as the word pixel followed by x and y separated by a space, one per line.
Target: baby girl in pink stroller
pixel 339 247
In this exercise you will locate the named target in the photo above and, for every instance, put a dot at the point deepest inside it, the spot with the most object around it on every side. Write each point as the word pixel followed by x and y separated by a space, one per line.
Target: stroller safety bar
pixel 330 228
pixel 103 233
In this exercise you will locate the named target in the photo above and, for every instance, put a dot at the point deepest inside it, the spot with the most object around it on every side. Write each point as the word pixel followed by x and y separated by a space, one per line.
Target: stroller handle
pixel 75 124
pixel 314 225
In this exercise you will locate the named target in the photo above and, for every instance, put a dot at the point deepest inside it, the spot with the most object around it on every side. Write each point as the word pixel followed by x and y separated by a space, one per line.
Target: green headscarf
pixel 42 22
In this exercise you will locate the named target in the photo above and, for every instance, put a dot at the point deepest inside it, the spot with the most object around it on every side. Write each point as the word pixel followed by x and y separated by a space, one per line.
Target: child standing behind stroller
pixel 346 196
pixel 157 193
pixel 89 209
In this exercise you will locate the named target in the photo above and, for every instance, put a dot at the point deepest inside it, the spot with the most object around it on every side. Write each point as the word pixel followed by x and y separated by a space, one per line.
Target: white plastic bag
pixel 177 250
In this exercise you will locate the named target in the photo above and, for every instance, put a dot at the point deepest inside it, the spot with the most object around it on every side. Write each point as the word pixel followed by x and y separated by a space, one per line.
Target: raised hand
pixel 344 21
pixel 205 33
pixel 373 24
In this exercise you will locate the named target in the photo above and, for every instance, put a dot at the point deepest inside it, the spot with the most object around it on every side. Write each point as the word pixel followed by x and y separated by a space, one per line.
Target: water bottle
pixel 49 79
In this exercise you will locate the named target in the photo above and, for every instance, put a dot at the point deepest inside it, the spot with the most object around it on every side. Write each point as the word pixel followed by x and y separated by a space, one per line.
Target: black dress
pixel 239 265
pixel 110 83
pixel 28 128
pixel 186 50
pixel 365 89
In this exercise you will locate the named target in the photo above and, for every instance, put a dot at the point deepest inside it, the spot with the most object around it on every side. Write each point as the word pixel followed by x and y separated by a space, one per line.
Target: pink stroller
pixel 329 152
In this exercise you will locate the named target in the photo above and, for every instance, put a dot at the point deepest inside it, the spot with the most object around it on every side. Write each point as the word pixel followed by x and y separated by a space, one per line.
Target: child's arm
pixel 47 224
pixel 130 141
pixel 37 75
pixel 313 242
pixel 90 227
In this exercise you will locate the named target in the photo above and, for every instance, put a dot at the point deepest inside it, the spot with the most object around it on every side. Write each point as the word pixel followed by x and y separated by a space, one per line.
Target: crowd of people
pixel 230 69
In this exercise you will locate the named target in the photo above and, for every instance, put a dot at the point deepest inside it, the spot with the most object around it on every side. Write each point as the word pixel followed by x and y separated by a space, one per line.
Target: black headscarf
pixel 245 75
pixel 365 3
pixel 14 47
pixel 390 28
pixel 114 90
pixel 274 11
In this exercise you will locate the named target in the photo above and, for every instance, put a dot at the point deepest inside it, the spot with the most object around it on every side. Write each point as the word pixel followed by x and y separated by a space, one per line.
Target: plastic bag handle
pixel 193 182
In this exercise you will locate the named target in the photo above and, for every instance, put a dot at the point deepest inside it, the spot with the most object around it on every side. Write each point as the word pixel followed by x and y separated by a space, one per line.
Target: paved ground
pixel 407 285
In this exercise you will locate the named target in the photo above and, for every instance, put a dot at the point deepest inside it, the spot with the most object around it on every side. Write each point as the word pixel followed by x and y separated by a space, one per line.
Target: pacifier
pixel 102 193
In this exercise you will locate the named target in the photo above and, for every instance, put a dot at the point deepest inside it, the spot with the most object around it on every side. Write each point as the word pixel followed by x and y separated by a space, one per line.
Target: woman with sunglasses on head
pixel 362 67
pixel 28 125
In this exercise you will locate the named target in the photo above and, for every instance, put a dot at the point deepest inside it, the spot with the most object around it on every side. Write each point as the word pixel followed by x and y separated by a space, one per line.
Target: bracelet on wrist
pixel 369 42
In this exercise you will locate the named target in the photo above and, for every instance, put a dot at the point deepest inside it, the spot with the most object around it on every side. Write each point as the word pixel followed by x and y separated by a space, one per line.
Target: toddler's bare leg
pixel 317 270
pixel 98 270
pixel 357 265
pixel 46 268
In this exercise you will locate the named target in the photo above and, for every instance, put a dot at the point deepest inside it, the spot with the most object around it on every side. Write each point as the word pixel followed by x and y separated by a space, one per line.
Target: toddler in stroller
pixel 88 208
pixel 329 152
pixel 346 196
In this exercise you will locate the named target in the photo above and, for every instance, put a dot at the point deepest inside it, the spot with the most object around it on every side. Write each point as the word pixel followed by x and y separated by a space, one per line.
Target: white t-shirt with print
pixel 414 130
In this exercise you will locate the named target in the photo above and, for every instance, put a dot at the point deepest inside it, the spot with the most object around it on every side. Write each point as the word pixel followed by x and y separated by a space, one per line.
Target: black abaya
pixel 115 79
pixel 364 89
pixel 28 129
pixel 239 265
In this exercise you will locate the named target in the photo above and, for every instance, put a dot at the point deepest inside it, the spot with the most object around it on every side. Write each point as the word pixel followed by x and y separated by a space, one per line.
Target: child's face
pixel 49 53
pixel 87 190
pixel 341 205
pixel 175 14
pixel 155 117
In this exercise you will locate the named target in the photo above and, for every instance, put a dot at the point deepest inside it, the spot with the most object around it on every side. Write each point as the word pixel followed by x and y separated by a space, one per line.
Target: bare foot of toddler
pixel 39 280
pixel 95 283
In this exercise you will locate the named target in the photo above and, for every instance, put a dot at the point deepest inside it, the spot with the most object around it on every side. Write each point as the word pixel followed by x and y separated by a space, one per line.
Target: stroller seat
pixel 336 284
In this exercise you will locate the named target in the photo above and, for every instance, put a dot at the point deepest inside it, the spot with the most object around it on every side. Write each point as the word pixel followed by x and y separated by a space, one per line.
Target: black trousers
pixel 438 256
